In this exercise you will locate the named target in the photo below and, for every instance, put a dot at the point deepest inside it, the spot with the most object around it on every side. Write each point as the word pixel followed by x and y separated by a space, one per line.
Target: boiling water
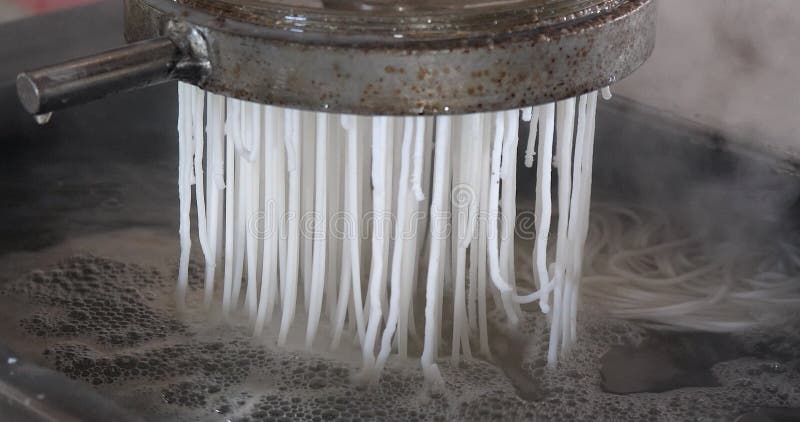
pixel 100 309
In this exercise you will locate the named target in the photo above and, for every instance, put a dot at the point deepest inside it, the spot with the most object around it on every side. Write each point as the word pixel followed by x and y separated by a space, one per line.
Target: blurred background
pixel 17 9
pixel 732 65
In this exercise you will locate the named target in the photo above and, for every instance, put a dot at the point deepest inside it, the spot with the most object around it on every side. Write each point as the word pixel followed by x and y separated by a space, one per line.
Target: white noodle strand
pixel 292 140
pixel 215 183
pixel 185 123
pixel 379 140
pixel 397 253
pixel 320 232
pixel 438 234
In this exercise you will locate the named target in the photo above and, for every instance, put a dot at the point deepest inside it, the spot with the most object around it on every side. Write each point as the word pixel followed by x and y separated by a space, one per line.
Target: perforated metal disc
pixel 413 57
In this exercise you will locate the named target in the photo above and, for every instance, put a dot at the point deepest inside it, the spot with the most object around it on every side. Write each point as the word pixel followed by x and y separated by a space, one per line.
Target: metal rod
pixel 133 66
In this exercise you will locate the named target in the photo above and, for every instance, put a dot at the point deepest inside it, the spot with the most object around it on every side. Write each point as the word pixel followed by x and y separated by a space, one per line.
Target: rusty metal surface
pixel 75 82
pixel 321 65
pixel 181 54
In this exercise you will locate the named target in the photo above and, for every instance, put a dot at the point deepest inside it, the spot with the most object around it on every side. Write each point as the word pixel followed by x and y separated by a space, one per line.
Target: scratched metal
pixel 409 62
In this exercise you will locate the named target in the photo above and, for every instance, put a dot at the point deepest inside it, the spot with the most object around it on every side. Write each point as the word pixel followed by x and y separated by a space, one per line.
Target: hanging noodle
pixel 438 233
pixel 215 183
pixel 185 122
pixel 436 199
pixel 291 140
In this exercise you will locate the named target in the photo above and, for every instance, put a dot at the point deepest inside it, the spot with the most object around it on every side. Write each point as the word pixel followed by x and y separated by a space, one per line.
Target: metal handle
pixel 179 55
pixel 78 81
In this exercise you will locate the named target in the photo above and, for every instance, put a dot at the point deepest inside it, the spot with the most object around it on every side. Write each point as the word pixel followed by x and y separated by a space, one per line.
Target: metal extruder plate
pixel 380 57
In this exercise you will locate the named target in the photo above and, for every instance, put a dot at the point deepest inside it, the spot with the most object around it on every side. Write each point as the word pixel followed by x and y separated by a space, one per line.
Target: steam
pixel 729 64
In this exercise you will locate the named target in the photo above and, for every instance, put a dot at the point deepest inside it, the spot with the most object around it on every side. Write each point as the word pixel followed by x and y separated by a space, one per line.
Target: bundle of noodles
pixel 343 219
pixel 640 265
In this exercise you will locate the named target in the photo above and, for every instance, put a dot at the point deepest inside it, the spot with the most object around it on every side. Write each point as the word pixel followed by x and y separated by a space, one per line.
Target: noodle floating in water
pixel 641 265
pixel 345 218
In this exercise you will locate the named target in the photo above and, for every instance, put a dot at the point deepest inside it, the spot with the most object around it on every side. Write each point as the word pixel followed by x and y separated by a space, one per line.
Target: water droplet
pixel 42 119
